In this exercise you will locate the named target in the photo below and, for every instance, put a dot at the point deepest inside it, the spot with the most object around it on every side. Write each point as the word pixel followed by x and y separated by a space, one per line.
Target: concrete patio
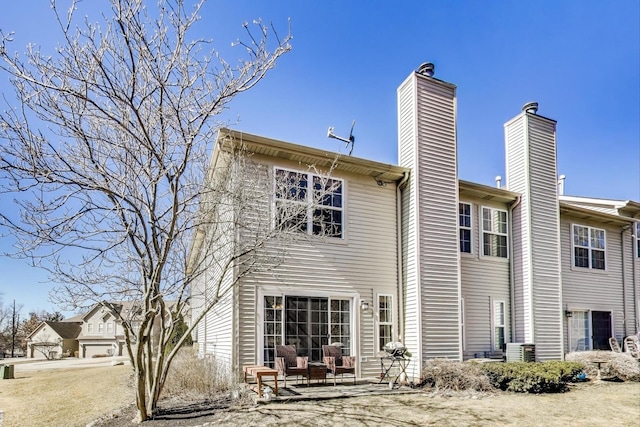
pixel 322 391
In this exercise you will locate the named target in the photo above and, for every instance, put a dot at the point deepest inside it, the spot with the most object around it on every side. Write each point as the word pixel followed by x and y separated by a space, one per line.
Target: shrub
pixel 443 374
pixel 523 377
pixel 619 365
pixel 200 378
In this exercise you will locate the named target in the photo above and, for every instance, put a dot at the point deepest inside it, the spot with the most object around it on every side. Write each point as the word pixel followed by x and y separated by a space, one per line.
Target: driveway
pixel 26 365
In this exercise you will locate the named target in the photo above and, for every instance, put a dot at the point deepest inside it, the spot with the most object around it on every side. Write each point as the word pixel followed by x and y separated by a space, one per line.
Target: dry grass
pixel 620 365
pixel 193 378
pixel 64 397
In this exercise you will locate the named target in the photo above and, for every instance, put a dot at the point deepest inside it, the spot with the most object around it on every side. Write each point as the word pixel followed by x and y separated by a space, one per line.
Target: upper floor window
pixel 89 328
pixel 309 203
pixel 588 247
pixel 494 232
pixel 100 328
pixel 110 327
pixel 464 222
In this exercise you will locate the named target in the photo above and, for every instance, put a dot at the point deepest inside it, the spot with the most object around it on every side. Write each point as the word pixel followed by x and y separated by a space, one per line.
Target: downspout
pixel 399 186
pixel 512 282
pixel 624 284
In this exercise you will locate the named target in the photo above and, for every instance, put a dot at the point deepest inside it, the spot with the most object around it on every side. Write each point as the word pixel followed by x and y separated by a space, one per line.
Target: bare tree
pixel 107 148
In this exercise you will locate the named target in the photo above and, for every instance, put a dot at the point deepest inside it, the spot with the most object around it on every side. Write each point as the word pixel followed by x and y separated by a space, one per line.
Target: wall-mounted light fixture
pixel 364 305
pixel 568 313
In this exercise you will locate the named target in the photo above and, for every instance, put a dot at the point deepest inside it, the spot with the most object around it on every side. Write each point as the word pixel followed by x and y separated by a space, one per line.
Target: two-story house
pixel 450 268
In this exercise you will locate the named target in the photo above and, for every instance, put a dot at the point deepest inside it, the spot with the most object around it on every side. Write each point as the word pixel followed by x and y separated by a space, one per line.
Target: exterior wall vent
pixel 427 69
pixel 530 107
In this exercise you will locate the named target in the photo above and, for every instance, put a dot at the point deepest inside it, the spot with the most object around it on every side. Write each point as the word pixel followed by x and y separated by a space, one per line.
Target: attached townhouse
pixel 453 269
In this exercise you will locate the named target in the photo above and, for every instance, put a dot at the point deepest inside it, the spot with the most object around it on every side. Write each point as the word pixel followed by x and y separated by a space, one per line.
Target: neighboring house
pixel 102 331
pixel 53 339
pixel 97 332
pixel 451 268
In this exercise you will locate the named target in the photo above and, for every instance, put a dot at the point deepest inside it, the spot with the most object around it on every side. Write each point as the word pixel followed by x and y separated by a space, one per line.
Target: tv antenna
pixel 351 140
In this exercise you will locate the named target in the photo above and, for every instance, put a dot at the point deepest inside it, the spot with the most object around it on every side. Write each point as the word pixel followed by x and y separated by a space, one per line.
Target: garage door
pixel 95 349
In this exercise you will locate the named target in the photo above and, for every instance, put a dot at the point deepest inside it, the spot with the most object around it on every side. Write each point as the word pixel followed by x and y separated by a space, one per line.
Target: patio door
pixel 306 322
pixel 601 323
pixel 307 325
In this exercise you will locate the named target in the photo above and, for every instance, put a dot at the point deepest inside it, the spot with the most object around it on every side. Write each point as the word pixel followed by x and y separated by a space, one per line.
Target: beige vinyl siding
pixel 410 280
pixel 545 217
pixel 436 175
pixel 531 170
pixel 484 279
pixel 216 329
pixel 427 144
pixel 360 266
pixel 589 289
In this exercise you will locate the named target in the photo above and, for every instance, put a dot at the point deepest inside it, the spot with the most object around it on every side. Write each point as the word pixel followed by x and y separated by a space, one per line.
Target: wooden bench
pixel 258 372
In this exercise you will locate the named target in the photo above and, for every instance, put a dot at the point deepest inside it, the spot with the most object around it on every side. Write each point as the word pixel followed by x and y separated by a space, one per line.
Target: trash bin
pixel 6 372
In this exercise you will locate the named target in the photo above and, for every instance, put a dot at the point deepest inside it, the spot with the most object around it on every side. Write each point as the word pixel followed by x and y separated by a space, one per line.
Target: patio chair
pixel 632 347
pixel 288 363
pixel 338 364
pixel 613 343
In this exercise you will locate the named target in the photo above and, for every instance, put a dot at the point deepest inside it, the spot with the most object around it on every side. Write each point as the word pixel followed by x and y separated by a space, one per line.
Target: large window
pixel 317 211
pixel 498 325
pixel 588 247
pixel 464 222
pixel 385 322
pixel 494 232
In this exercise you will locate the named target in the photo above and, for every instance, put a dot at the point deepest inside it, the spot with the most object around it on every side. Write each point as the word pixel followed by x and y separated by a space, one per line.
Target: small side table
pixel 261 371
pixel 316 371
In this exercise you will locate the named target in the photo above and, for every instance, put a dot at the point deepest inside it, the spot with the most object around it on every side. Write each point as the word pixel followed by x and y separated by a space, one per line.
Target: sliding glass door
pixel 306 322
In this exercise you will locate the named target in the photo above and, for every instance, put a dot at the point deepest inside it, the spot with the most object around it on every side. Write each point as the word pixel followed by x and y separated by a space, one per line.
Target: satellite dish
pixel 351 140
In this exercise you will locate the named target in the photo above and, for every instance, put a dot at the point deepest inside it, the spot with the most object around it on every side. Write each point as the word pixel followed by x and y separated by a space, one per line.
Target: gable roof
pixel 66 330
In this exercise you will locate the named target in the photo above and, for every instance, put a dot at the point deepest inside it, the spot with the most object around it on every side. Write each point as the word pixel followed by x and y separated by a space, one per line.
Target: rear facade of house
pixel 450 268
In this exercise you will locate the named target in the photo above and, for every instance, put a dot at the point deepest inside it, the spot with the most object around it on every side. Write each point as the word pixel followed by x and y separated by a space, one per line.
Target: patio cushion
pixel 333 351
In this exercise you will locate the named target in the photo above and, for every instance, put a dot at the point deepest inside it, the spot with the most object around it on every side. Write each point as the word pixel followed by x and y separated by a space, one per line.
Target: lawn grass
pixel 64 397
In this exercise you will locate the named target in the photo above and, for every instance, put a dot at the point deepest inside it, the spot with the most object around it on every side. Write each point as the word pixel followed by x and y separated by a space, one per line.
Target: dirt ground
pixel 604 404
pixel 75 397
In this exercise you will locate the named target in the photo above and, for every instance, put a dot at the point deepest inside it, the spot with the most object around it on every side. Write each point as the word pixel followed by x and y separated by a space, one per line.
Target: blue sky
pixel 580 60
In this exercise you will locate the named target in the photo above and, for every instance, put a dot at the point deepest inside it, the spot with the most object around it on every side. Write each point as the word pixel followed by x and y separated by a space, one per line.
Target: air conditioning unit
pixel 520 352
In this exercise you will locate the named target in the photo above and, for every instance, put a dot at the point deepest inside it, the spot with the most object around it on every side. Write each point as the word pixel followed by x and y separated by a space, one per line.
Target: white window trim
pixel 297 292
pixel 463 328
pixel 379 323
pixel 637 240
pixel 309 200
pixel 89 328
pixel 470 228
pixel 589 248
pixel 495 325
pixel 482 232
